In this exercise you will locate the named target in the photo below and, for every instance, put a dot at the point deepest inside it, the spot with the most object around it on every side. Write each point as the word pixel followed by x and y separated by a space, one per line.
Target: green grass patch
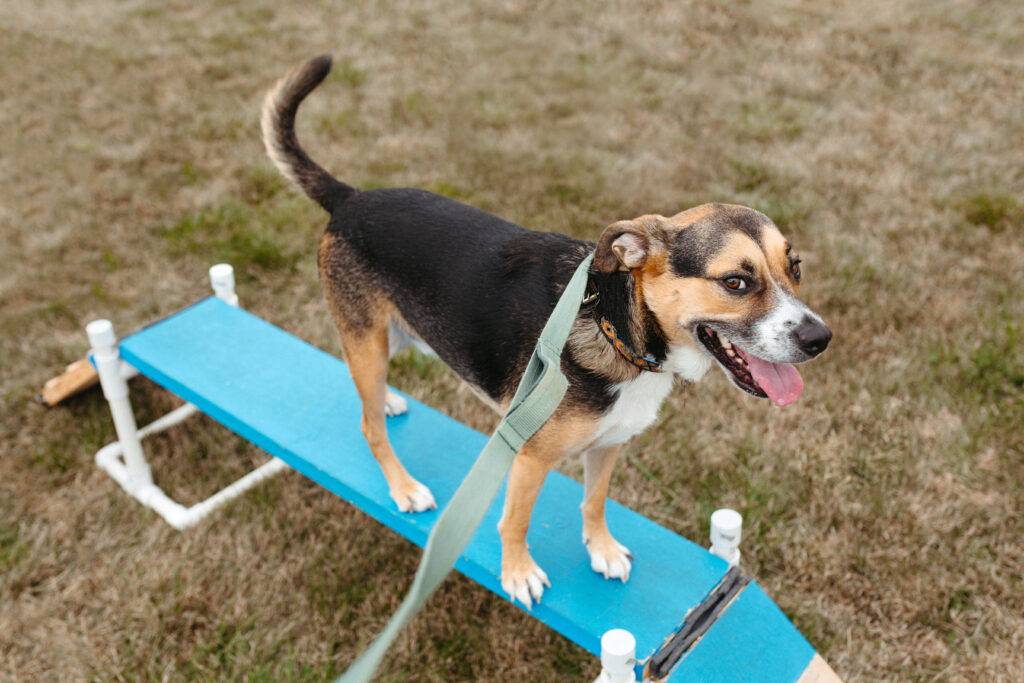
pixel 258 233
pixel 990 369
pixel 996 211
pixel 349 73
pixel 112 262
pixel 12 548
pixel 772 119
pixel 54 458
pixel 789 214
pixel 565 193
pixel 292 669
pixel 219 649
pixel 346 122
pixel 414 108
pixel 260 184
pixel 450 190
pixel 771 193
pixel 192 174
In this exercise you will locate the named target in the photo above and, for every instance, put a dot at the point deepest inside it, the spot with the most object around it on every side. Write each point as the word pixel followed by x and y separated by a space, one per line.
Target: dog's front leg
pixel 521 578
pixel 607 556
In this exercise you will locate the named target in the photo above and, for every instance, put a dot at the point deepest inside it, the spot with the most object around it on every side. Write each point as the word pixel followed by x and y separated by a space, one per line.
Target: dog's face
pixel 724 279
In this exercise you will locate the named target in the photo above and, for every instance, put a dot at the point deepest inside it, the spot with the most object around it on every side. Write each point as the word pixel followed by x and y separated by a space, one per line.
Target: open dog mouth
pixel 781 383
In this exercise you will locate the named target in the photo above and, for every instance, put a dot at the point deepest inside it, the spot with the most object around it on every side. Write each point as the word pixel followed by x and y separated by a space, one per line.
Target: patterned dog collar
pixel 645 362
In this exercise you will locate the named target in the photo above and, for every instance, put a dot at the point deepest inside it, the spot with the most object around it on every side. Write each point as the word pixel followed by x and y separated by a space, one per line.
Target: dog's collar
pixel 645 362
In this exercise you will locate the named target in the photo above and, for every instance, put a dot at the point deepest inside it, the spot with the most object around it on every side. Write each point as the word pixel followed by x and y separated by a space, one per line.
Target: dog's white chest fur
pixel 638 400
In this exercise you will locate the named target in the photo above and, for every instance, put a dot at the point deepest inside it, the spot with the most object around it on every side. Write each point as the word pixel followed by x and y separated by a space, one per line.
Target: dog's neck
pixel 615 300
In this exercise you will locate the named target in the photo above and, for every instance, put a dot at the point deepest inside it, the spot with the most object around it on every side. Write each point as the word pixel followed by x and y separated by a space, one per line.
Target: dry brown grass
pixel 885 511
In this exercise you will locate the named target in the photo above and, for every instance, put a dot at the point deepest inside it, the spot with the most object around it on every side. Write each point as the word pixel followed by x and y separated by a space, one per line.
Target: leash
pixel 539 393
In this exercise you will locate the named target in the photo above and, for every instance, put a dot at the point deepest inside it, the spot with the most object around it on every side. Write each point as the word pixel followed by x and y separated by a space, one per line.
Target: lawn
pixel 884 512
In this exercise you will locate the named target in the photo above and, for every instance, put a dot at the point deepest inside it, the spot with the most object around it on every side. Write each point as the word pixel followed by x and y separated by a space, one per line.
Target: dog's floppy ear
pixel 626 245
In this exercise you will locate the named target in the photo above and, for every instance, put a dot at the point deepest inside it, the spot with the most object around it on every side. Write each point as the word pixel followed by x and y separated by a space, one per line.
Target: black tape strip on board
pixel 696 624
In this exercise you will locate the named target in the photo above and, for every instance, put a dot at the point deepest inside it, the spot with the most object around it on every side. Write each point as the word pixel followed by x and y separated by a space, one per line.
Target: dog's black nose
pixel 812 336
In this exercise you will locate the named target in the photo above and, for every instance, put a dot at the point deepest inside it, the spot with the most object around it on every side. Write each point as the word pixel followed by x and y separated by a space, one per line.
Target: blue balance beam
pixel 298 403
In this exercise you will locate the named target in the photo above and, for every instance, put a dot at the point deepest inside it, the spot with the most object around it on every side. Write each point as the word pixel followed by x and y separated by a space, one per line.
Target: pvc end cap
pixel 101 334
pixel 222 274
pixel 726 521
pixel 618 650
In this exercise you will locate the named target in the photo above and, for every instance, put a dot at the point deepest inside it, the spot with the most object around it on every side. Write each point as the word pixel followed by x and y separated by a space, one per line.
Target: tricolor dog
pixel 715 285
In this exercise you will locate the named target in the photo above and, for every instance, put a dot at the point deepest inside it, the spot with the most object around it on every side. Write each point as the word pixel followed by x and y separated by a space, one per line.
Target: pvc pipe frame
pixel 124 460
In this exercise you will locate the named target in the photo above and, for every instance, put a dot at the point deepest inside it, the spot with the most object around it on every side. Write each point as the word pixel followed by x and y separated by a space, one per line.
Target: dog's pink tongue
pixel 781 381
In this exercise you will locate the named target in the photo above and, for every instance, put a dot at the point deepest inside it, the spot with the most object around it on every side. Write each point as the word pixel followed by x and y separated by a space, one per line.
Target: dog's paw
pixel 394 404
pixel 608 557
pixel 413 497
pixel 524 581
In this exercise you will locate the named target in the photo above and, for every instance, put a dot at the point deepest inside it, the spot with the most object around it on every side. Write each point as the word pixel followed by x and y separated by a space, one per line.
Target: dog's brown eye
pixel 794 267
pixel 735 283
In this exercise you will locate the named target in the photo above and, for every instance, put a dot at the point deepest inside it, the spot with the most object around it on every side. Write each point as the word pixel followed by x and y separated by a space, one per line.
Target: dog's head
pixel 723 279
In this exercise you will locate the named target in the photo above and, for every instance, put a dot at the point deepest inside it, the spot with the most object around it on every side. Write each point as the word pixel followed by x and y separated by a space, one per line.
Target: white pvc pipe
pixel 115 389
pixel 152 496
pixel 726 532
pixel 618 657
pixel 222 279
pixel 200 510
pixel 176 416
pixel 124 460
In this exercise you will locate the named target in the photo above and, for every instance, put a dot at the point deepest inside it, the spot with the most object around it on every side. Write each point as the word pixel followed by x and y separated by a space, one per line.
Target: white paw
pixel 525 583
pixel 394 404
pixel 610 558
pixel 415 497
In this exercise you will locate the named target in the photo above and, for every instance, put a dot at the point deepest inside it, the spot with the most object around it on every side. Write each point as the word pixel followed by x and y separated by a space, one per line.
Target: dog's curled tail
pixel 278 125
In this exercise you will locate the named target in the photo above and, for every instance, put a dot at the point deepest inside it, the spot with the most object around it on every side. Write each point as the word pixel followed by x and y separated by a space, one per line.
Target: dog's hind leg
pixel 607 556
pixel 367 354
pixel 363 315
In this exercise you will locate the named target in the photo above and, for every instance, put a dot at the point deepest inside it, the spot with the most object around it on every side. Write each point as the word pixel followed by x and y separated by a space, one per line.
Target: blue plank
pixel 751 641
pixel 299 404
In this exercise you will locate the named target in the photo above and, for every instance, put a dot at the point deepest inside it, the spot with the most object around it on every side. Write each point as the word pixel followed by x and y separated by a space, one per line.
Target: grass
pixel 884 510
pixel 995 211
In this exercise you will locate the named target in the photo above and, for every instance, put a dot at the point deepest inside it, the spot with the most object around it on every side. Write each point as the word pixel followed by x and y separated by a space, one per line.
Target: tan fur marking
pixel 677 302
pixel 686 218
pixel 778 262
pixel 598 466
pixel 562 435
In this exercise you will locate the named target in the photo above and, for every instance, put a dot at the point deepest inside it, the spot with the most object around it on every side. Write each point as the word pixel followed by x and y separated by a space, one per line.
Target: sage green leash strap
pixel 540 391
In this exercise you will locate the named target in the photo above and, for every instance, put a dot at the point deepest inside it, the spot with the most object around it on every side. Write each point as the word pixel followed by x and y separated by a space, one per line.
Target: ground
pixel 884 512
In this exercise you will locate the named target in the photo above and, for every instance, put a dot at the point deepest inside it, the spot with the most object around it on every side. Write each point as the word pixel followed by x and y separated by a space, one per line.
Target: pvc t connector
pixel 726 532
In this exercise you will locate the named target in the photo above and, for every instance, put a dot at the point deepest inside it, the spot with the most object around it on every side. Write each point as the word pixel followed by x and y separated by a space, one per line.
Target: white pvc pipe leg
pixel 124 460
pixel 115 389
pixel 726 532
pixel 618 657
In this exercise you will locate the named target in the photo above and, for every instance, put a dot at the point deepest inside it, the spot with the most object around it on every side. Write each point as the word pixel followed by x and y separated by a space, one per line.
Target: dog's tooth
pixel 729 352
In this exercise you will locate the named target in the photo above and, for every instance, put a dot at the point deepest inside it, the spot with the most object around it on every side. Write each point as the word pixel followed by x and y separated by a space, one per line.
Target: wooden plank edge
pixel 818 671
pixel 77 377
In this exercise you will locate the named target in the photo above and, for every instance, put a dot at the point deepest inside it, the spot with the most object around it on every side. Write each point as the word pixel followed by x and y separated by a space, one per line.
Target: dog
pixel 667 297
